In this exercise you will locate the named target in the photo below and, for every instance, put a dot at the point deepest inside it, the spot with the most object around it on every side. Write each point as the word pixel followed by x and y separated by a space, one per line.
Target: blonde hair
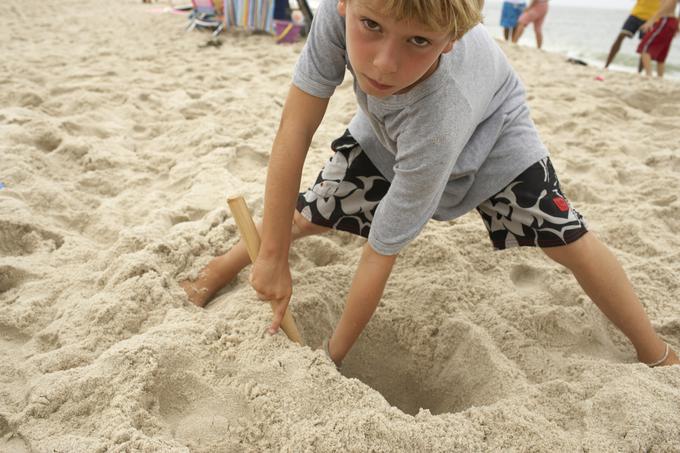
pixel 452 16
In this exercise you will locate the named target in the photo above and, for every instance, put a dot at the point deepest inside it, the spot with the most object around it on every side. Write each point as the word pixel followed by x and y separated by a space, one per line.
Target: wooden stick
pixel 249 234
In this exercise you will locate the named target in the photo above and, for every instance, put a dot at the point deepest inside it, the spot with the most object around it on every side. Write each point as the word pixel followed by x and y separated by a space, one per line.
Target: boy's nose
pixel 386 60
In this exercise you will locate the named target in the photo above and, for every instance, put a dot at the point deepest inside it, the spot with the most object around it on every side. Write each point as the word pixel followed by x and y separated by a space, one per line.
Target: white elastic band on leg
pixel 662 359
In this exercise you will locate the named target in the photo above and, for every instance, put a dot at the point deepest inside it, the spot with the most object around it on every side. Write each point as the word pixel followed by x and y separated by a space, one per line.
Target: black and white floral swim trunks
pixel 530 211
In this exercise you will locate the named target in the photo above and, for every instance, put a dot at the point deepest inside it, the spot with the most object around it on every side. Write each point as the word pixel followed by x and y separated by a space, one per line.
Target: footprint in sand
pixel 28 99
pixel 10 441
pixel 665 200
pixel 81 130
pixel 248 163
pixel 11 277
pixel 527 277
pixel 664 161
pixel 43 136
pixel 13 336
pixel 47 140
pixel 186 214
pixel 196 413
pixel 18 239
pixel 669 215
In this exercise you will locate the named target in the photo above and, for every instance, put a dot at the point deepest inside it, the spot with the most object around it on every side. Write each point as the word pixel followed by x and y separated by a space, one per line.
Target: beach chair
pixel 204 14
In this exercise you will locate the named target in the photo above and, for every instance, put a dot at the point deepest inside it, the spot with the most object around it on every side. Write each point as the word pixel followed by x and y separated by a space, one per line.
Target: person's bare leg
pixel 614 49
pixel 517 33
pixel 647 63
pixel 660 69
pixel 603 279
pixel 539 38
pixel 506 33
pixel 223 269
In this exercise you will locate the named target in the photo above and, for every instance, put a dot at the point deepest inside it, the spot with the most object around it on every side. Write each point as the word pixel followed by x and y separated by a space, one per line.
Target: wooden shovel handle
pixel 246 226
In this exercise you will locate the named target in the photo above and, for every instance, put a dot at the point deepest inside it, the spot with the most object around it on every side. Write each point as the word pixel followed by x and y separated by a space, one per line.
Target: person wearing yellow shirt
pixel 659 30
pixel 641 13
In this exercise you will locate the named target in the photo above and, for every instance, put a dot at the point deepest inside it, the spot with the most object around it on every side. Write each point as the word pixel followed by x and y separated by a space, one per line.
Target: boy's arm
pixel 270 276
pixel 364 295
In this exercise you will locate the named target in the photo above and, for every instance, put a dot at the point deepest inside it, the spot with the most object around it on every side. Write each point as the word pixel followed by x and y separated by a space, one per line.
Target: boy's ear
pixel 342 8
pixel 449 46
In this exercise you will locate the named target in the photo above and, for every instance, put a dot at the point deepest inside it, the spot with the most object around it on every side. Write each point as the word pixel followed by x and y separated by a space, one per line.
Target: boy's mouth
pixel 377 85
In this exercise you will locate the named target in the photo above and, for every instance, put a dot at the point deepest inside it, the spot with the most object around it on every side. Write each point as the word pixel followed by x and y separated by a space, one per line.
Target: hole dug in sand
pixel 448 368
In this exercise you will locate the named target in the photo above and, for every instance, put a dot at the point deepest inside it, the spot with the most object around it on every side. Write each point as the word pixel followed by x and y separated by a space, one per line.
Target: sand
pixel 121 137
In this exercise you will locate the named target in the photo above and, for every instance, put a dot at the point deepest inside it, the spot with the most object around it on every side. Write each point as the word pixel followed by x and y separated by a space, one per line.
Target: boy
pixel 443 127
pixel 659 30
pixel 511 11
pixel 642 11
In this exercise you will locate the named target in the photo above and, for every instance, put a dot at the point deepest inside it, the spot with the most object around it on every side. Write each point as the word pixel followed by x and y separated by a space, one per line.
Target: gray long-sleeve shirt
pixel 446 145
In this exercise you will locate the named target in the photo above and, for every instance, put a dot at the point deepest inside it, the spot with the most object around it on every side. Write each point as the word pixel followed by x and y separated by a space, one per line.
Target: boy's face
pixel 388 56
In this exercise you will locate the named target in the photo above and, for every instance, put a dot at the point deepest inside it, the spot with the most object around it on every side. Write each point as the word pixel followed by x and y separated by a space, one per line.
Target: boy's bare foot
pixel 672 359
pixel 216 275
pixel 197 294
pixel 669 358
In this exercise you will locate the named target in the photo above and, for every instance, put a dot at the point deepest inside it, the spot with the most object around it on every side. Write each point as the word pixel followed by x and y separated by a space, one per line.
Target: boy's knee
pixel 570 255
pixel 303 227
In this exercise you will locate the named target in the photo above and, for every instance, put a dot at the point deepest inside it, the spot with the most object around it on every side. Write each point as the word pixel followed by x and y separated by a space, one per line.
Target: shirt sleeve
pixel 322 63
pixel 427 151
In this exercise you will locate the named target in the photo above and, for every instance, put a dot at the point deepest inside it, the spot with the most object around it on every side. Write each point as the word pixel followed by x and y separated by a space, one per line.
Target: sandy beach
pixel 121 137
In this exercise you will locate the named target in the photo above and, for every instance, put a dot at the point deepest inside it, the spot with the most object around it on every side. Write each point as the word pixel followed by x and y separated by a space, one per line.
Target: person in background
pixel 511 11
pixel 281 10
pixel 535 14
pixel 219 6
pixel 660 29
pixel 641 12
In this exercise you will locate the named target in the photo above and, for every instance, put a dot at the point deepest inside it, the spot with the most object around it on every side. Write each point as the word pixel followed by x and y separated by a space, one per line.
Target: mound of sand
pixel 120 138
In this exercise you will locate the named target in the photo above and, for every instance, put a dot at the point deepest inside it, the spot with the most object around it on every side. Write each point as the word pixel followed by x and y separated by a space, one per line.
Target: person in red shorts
pixel 659 30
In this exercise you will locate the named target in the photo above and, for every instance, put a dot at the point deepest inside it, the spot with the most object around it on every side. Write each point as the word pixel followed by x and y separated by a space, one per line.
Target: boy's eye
pixel 420 41
pixel 370 24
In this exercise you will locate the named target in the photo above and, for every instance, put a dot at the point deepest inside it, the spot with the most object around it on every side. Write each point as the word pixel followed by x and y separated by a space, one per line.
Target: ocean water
pixel 586 33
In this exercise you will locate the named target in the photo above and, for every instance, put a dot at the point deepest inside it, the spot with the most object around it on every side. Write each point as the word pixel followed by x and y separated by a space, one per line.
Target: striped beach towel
pixel 251 15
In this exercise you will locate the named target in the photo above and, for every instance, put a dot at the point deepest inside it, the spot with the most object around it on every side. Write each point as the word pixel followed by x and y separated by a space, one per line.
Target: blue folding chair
pixel 205 15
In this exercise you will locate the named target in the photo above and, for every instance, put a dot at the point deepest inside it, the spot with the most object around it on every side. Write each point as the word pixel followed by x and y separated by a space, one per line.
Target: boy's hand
pixel 364 296
pixel 271 280
pixel 270 276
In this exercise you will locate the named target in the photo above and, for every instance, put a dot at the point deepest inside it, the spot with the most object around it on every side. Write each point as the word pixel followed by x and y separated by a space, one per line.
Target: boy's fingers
pixel 279 309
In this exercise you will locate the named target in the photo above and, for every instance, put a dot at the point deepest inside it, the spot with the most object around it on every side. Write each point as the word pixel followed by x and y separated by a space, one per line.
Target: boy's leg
pixel 533 211
pixel 222 269
pixel 338 199
pixel 603 279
